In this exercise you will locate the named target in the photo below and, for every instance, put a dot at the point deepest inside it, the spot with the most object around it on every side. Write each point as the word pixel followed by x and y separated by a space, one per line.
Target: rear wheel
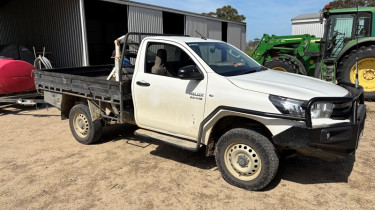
pixel 282 65
pixel 246 159
pixel 366 69
pixel 84 130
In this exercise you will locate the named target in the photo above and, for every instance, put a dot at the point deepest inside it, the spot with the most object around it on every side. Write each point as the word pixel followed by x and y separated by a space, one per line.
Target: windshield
pixel 224 59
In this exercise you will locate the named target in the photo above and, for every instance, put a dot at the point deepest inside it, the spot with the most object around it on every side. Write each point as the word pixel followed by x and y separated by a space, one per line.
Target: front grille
pixel 341 111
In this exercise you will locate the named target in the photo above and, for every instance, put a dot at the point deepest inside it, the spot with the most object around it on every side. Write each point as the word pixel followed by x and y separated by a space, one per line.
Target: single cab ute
pixel 194 92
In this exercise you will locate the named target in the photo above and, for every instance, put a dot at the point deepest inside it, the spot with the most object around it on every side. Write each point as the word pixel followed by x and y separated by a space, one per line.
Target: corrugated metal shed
pixel 214 29
pixel 308 24
pixel 10 16
pixel 193 24
pixel 308 16
pixel 151 22
pixel 237 35
pixel 208 28
pixel 60 33
pixel 166 9
pixel 60 26
pixel 145 20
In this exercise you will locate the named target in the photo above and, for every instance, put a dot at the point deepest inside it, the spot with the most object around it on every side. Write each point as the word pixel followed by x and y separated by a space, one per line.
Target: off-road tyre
pixel 282 65
pixel 347 63
pixel 262 164
pixel 84 130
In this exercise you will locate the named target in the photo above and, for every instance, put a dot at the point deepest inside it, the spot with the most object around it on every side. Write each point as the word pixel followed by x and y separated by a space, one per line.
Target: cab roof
pixel 181 39
pixel 360 9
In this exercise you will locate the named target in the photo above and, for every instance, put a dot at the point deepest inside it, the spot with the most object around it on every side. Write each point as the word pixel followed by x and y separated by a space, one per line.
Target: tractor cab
pixel 347 47
pixel 343 26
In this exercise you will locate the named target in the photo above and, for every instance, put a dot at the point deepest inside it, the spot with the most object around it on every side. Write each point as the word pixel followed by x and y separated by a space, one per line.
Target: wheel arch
pixel 67 103
pixel 283 63
pixel 295 61
pixel 230 121
pixel 353 46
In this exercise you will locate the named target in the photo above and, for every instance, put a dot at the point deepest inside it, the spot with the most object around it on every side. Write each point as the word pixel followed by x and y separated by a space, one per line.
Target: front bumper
pixel 331 142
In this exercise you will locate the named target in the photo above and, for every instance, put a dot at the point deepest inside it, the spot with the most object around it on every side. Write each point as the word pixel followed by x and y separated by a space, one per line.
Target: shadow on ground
pixel 309 170
pixel 16 109
pixel 300 169
pixel 117 132
pixel 126 133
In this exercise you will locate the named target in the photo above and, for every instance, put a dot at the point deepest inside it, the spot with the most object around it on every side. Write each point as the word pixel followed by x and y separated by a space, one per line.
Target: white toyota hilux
pixel 197 92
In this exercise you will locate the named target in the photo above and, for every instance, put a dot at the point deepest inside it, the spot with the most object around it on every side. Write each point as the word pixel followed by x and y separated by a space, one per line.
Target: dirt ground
pixel 42 166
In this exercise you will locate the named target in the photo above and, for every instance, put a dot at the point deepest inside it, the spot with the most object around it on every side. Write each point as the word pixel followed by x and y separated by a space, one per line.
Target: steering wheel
pixel 332 41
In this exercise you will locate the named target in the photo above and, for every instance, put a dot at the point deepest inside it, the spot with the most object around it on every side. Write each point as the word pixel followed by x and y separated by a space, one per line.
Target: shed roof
pixel 182 39
pixel 307 16
pixel 150 6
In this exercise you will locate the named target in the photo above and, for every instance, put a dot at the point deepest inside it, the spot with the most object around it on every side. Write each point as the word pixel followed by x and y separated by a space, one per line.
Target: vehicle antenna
pixel 356 56
pixel 202 37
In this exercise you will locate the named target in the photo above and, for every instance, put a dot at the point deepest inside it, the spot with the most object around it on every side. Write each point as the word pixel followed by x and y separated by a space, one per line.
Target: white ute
pixel 194 92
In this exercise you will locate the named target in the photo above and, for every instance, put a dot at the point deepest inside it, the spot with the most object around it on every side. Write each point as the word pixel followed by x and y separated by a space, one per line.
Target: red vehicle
pixel 16 76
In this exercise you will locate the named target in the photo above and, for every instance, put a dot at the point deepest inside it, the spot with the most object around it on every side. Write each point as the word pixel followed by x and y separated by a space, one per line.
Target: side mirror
pixel 326 15
pixel 321 18
pixel 190 72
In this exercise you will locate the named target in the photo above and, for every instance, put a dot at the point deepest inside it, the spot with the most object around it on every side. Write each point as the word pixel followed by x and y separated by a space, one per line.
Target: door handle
pixel 143 83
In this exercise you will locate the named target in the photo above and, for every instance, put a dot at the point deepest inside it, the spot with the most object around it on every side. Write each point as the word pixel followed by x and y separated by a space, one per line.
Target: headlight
pixel 321 110
pixel 288 106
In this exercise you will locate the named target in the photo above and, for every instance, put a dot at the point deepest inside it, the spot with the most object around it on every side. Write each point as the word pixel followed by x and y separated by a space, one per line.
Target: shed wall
pixel 55 25
pixel 208 28
pixel 312 27
pixel 193 24
pixel 12 14
pixel 214 29
pixel 237 35
pixel 58 25
pixel 145 20
pixel 243 38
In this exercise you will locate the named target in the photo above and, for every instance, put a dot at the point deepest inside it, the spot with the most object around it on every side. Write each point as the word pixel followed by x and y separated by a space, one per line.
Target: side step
pixel 186 144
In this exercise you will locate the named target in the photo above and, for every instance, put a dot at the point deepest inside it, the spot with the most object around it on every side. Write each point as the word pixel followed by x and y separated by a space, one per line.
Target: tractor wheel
pixel 282 65
pixel 366 69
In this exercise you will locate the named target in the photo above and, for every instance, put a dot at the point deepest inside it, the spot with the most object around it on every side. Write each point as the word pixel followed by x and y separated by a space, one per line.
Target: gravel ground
pixel 42 166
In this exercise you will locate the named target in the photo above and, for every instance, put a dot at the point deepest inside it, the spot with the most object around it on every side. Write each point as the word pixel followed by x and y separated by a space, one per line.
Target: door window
pixel 364 22
pixel 340 29
pixel 165 59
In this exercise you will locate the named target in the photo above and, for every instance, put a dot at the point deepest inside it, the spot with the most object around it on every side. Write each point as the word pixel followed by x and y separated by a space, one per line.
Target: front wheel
pixel 84 130
pixel 366 69
pixel 246 159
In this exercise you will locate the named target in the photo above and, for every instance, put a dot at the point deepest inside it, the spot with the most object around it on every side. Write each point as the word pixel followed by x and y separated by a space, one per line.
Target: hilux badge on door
pixel 198 96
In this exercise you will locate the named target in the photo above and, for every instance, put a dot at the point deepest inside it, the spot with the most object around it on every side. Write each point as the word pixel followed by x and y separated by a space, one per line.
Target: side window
pixel 364 25
pixel 165 59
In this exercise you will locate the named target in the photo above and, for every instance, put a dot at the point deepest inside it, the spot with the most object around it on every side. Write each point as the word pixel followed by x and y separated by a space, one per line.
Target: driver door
pixel 163 102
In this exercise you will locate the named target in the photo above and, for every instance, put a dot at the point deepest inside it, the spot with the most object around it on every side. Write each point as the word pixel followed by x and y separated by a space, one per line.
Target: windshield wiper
pixel 249 71
pixel 263 68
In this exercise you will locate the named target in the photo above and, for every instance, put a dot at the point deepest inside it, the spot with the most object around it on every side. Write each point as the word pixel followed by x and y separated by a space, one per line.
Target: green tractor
pixel 348 35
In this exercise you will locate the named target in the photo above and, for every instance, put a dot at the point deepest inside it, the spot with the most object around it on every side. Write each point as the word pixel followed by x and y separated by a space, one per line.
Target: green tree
pixel 227 12
pixel 251 45
pixel 340 4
